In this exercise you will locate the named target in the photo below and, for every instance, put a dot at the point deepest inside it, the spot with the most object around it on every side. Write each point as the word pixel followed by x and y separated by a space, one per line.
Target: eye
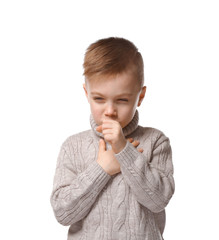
pixel 123 100
pixel 98 99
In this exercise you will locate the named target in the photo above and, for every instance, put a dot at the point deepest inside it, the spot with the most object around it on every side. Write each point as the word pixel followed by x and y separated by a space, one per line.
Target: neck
pixel 127 130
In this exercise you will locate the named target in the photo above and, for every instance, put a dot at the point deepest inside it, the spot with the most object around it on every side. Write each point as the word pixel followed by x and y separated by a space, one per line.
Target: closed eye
pixel 98 99
pixel 123 100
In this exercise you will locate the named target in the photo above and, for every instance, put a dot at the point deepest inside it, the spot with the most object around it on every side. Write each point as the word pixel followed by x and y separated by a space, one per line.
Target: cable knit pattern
pixel 128 205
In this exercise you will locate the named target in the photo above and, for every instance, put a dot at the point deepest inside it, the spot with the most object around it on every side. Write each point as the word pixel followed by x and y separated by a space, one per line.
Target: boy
pixel 104 187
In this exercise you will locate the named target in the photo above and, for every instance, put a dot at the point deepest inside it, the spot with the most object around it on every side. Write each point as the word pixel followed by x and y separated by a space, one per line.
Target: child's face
pixel 114 98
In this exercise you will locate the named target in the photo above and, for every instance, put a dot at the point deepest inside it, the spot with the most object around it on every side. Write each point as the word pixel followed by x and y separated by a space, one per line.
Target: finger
pixel 130 140
pixel 108 131
pixel 99 128
pixel 135 143
pixel 109 138
pixel 140 150
pixel 109 121
pixel 108 125
pixel 102 145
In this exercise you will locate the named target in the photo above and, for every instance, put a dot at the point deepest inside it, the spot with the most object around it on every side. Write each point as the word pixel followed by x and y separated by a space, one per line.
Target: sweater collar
pixel 131 127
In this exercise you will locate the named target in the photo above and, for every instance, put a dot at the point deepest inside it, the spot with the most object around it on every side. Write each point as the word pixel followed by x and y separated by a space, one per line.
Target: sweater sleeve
pixel 74 194
pixel 149 174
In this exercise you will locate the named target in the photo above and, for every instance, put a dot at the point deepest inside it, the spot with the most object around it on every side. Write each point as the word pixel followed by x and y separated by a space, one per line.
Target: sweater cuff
pixel 127 156
pixel 97 176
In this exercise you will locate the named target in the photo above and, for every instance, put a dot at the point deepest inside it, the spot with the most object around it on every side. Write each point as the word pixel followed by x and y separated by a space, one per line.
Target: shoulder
pixel 73 142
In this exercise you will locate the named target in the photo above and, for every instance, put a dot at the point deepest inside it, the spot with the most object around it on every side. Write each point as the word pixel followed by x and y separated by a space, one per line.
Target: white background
pixel 42 46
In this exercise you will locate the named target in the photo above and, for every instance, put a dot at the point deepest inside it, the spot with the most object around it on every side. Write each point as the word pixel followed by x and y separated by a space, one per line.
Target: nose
pixel 110 111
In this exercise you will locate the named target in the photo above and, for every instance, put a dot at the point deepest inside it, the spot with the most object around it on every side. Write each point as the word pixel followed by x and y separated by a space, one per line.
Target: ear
pixel 85 90
pixel 141 96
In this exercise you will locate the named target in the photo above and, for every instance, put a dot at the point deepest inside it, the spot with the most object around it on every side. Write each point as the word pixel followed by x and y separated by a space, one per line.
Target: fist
pixel 113 134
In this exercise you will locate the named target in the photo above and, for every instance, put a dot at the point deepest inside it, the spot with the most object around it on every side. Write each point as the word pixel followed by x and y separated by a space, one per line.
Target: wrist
pixel 118 147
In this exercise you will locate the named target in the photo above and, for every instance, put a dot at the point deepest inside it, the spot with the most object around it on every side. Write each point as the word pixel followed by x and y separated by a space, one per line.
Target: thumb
pixel 99 128
pixel 102 145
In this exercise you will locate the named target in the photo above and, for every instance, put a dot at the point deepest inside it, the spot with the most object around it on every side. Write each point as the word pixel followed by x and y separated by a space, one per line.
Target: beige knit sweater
pixel 128 205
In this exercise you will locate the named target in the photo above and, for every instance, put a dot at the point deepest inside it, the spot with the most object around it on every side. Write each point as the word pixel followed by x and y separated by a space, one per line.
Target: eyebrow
pixel 122 94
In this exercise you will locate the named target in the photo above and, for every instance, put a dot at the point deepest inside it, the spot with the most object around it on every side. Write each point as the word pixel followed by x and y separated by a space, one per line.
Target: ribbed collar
pixel 126 130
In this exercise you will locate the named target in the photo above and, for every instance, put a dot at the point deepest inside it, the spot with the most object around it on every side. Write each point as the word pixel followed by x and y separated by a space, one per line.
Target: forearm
pixel 71 201
pixel 152 185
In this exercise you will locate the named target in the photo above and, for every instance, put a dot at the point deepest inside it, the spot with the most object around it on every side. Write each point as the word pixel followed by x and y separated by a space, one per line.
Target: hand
pixel 135 143
pixel 107 160
pixel 113 134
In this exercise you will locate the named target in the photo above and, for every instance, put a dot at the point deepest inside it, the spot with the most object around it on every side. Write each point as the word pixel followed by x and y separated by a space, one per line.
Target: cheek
pixel 130 108
pixel 126 113
pixel 96 111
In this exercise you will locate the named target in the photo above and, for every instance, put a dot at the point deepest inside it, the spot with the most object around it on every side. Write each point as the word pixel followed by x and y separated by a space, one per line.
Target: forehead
pixel 124 82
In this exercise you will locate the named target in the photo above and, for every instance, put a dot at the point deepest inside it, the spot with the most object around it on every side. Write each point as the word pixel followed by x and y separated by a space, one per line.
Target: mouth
pixel 108 118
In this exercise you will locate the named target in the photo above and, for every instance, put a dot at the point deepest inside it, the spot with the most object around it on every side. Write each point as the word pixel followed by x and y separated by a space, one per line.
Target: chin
pixel 123 125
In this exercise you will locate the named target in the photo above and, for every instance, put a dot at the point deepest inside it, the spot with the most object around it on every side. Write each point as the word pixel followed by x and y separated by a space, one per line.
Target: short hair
pixel 111 56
